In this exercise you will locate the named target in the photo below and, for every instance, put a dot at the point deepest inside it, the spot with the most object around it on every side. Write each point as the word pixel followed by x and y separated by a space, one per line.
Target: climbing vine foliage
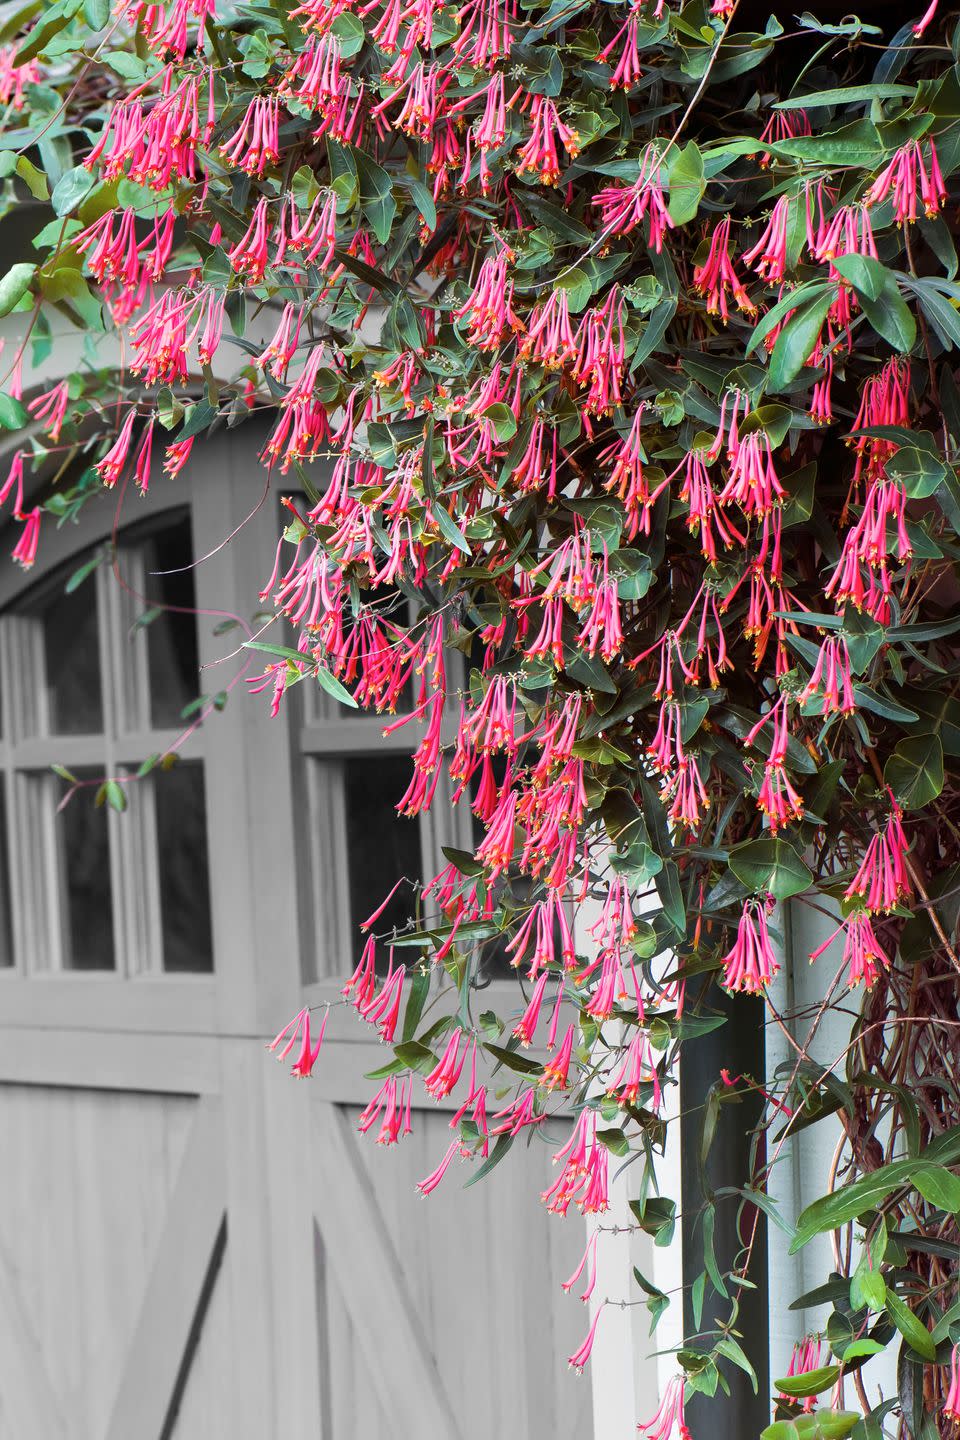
pixel 604 356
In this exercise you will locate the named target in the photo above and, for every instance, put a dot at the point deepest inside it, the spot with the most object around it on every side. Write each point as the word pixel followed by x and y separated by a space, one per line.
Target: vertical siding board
pixel 159 1338
pixel 296 1333
pixel 358 1246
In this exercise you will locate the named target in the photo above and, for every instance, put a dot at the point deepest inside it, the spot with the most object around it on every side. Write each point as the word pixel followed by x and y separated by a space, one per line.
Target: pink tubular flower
pixel 485 33
pixel 50 409
pixel 585 1171
pixel 249 257
pixel 951 1406
pixel 540 154
pixel 601 355
pixel 176 455
pixel 556 1070
pixel 861 950
pixel 717 275
pixel 638 1067
pixel 394 1105
pixel 769 256
pixel 299 1027
pixel 805 1358
pixel 255 144
pixel 15 78
pixel 777 799
pixel 669 1417
pixel 883 879
pixel 428 1185
pixel 909 179
pixel 13 485
pixel 921 25
pixel 783 125
pixel 751 964
pixel 25 550
pixel 526 1027
pixel 110 468
pixel 622 208
pixel 588 1263
pixel 627 70
pixel 580 1357
pixel 831 675
pixel 445 1074
pixel 383 1010
pixel 549 339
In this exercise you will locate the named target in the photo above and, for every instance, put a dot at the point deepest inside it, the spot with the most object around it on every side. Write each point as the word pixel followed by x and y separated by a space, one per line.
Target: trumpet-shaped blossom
pixel 750 964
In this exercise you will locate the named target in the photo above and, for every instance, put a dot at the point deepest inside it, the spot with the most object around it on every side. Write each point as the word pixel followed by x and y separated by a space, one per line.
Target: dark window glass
pixel 85 881
pixel 71 658
pixel 184 870
pixel 382 846
pixel 6 932
pixel 172 656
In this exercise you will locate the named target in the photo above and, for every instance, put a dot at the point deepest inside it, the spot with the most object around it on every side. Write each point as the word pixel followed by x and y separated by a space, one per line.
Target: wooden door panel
pixel 87 1180
pixel 480 1271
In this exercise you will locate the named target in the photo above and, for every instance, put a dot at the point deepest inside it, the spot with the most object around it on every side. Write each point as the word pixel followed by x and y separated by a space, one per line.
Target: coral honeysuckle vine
pixel 605 355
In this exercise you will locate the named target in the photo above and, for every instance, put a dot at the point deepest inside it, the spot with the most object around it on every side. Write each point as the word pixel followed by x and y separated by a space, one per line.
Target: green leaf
pixel 58 18
pixel 914 771
pixel 70 190
pixel 349 31
pixel 502 418
pixel 513 1060
pixel 34 179
pixel 915 1333
pixel 826 1424
pixel 79 575
pixel 920 472
pixel 686 183
pixel 940 1187
pixel 812 1382
pixel 449 529
pixel 111 793
pixel 329 682
pixel 416 999
pixel 847 95
pixel 578 287
pixel 892 318
pixel 796 342
pixel 863 1349
pixel 13 415
pixel 770 864
pixel 868 1287
pixel 867 276
pixel 284 652
pixel 15 285
pixel 850 1201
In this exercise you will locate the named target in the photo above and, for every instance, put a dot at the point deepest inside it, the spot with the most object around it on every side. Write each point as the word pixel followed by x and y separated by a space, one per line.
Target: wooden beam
pixel 104 1000
pixel 30 1405
pixel 357 1246
pixel 153 1373
pixel 102 1060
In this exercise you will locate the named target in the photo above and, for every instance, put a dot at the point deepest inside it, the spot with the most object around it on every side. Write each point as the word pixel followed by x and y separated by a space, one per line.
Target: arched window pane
pixel 172 656
pixel 84 879
pixel 184 869
pixel 71 659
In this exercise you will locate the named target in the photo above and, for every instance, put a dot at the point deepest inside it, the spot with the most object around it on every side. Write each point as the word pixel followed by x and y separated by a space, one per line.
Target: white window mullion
pixel 129 942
